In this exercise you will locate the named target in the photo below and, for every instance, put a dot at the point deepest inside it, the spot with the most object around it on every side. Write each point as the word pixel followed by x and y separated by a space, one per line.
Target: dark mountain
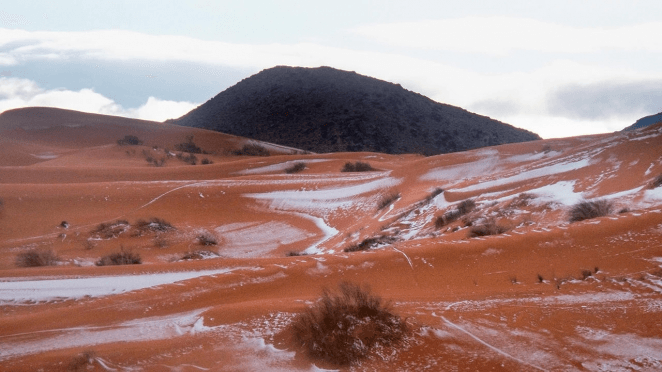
pixel 328 110
pixel 644 122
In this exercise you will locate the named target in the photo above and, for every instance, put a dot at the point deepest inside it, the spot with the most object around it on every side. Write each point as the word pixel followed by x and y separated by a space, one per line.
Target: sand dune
pixel 543 294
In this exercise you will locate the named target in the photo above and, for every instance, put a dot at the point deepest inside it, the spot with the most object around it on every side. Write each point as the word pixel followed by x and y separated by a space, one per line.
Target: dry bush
pixel 369 243
pixel 199 255
pixel 344 326
pixel 129 141
pixel 110 230
pixel 388 200
pixel 154 224
pixel 252 150
pixel 295 168
pixel 585 210
pixel 462 208
pixel 206 161
pixel 657 182
pixel 82 361
pixel 357 167
pixel 189 146
pixel 207 239
pixel 433 194
pixel 295 254
pixel 487 228
pixel 120 258
pixel 188 159
pixel 36 258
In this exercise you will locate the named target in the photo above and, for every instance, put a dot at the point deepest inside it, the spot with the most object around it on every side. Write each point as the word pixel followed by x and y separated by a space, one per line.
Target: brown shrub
pixel 121 258
pixel 199 255
pixel 252 150
pixel 657 182
pixel 36 258
pixel 154 224
pixel 295 168
pixel 82 362
pixel 357 167
pixel 110 230
pixel 344 326
pixel 388 200
pixel 207 239
pixel 486 229
pixel 585 210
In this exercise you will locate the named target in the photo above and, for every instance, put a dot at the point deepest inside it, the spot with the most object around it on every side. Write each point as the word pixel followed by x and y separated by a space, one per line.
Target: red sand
pixel 519 301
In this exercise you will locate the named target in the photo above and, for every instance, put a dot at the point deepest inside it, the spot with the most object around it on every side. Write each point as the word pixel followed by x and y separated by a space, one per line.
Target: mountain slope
pixel 645 121
pixel 329 110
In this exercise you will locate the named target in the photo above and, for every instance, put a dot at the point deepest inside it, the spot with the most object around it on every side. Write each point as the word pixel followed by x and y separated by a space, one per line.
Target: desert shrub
pixel 295 254
pixel 155 225
pixel 110 230
pixel 657 182
pixel 82 361
pixel 189 146
pixel 369 243
pixel 586 274
pixel 129 141
pixel 206 161
pixel 486 229
pixel 344 326
pixel 36 258
pixel 295 168
pixel 252 150
pixel 207 239
pixel 433 194
pixel 462 208
pixel 155 162
pixel 357 167
pixel 120 258
pixel 388 200
pixel 64 224
pixel 586 209
pixel 199 255
pixel 189 159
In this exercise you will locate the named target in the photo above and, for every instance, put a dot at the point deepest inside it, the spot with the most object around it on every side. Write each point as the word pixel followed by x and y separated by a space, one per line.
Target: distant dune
pixel 475 251
pixel 329 110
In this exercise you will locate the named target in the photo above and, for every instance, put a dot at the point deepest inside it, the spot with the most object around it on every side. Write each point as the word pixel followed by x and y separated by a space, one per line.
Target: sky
pixel 558 68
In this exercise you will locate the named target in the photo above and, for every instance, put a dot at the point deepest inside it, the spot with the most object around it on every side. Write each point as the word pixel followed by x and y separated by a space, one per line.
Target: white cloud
pixel 503 35
pixel 17 93
pixel 520 98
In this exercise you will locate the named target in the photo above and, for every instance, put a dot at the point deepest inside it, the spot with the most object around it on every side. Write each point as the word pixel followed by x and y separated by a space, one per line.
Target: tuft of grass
pixel 120 258
pixel 252 150
pixel 129 140
pixel 206 161
pixel 586 209
pixel 207 239
pixel 369 243
pixel 296 168
pixel 110 230
pixel 295 254
pixel 460 210
pixel 433 194
pixel 36 258
pixel 387 200
pixel 199 255
pixel 357 167
pixel 154 224
pixel 586 274
pixel 344 326
pixel 488 228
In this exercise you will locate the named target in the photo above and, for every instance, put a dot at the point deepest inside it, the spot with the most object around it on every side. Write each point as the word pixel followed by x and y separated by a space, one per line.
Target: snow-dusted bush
pixel 296 168
pixel 586 209
pixel 357 167
pixel 36 258
pixel 120 258
pixel 344 326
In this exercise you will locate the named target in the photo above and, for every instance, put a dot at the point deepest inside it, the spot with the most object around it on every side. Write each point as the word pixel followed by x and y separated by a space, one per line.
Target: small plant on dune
pixel 206 161
pixel 433 194
pixel 206 238
pixel 586 274
pixel 387 200
pixel 460 210
pixel 585 210
pixel 252 150
pixel 155 225
pixel 344 326
pixel 369 243
pixel 189 146
pixel 295 168
pixel 110 230
pixel 82 361
pixel 36 258
pixel 129 141
pixel 199 255
pixel 122 257
pixel 487 228
pixel 295 254
pixel 657 182
pixel 357 167
pixel 188 159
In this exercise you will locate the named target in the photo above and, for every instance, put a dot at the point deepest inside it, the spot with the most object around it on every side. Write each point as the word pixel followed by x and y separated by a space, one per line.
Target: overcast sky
pixel 558 68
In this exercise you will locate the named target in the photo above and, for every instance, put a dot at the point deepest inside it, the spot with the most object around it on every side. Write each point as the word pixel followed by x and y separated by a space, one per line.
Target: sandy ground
pixel 544 294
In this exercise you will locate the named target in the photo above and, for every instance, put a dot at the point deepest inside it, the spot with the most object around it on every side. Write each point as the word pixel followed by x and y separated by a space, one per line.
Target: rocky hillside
pixel 645 121
pixel 329 110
